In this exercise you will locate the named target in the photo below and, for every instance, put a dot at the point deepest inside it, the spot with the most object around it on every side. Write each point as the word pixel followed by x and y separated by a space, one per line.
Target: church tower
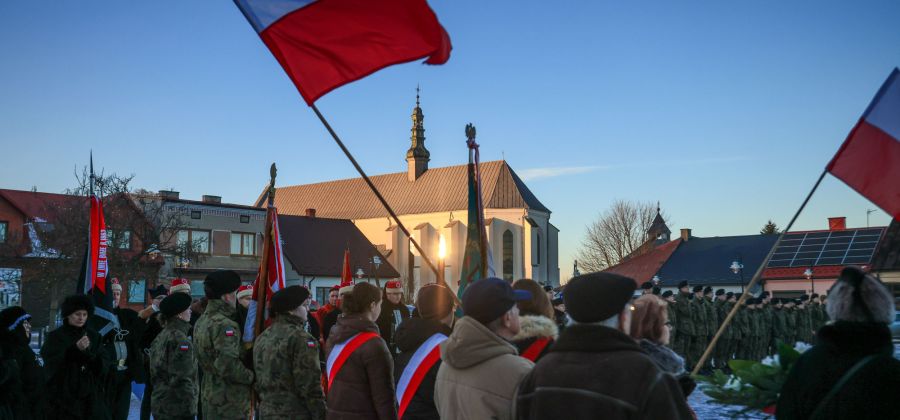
pixel 658 231
pixel 417 156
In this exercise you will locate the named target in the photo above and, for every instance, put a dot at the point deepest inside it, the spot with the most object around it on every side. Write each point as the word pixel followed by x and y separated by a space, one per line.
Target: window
pixel 136 291
pixel 195 214
pixel 507 255
pixel 4 227
pixel 243 243
pixel 322 295
pixel 120 239
pixel 195 240
pixel 245 218
pixel 197 288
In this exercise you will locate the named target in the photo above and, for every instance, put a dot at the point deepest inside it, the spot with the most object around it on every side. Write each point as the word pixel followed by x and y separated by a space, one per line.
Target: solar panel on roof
pixel 854 246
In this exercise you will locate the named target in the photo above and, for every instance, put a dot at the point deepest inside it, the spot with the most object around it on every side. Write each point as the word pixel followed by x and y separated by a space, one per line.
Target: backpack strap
pixel 841 383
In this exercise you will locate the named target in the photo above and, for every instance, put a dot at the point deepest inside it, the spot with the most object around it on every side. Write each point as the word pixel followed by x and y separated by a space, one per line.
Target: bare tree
pixel 616 233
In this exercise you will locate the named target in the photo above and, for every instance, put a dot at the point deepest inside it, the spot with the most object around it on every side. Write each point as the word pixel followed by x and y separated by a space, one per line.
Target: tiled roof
pixel 315 247
pixel 887 255
pixel 437 190
pixel 643 267
pixel 819 271
pixel 39 204
pixel 706 261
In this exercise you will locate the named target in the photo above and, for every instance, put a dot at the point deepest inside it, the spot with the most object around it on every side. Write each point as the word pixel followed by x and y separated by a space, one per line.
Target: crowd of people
pixel 505 350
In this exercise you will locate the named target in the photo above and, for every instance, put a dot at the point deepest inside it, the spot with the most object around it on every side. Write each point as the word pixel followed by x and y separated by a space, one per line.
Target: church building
pixel 432 203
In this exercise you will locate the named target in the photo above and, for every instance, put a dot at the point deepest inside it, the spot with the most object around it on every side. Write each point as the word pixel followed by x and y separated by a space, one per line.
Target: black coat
pixel 871 394
pixel 387 322
pixel 409 336
pixel 24 392
pixel 74 377
pixel 132 332
pixel 594 370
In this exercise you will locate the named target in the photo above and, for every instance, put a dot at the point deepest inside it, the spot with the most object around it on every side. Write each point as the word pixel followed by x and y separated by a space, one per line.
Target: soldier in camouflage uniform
pixel 779 324
pixel 286 361
pixel 712 323
pixel 758 345
pixel 173 363
pixel 790 316
pixel 225 392
pixel 684 326
pixel 672 316
pixel 721 351
pixel 804 321
pixel 742 324
pixel 699 316
pixel 768 321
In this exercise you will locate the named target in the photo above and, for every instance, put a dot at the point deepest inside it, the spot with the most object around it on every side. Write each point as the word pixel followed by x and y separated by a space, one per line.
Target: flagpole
pixel 756 277
pixel 374 189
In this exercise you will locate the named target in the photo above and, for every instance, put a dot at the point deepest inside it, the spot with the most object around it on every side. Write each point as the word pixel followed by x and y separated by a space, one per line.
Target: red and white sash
pixel 535 349
pixel 421 362
pixel 340 353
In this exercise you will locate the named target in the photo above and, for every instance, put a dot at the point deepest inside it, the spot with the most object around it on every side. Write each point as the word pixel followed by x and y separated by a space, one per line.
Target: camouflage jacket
pixel 683 309
pixel 742 323
pixel 712 317
pixel 700 316
pixel 173 372
pixel 673 317
pixel 723 308
pixel 779 324
pixel 225 393
pixel 804 324
pixel 756 322
pixel 790 317
pixel 288 377
pixel 768 320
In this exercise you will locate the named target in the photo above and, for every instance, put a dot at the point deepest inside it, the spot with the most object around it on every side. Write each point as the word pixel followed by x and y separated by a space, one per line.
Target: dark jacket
pixel 329 322
pixel 23 392
pixel 532 328
pixel 131 333
pixel 74 377
pixel 595 369
pixel 411 334
pixel 871 393
pixel 364 386
pixel 390 318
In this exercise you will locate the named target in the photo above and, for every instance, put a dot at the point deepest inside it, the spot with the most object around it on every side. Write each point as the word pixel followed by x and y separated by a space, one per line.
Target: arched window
pixel 507 255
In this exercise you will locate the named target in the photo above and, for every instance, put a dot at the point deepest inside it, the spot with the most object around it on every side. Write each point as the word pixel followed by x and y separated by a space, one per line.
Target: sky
pixel 724 112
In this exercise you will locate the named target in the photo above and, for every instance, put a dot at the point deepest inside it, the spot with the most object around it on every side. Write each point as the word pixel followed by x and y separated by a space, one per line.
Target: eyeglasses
pixel 670 325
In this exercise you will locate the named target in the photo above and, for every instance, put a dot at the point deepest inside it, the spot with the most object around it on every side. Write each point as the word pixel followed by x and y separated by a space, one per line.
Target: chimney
pixel 310 212
pixel 212 199
pixel 685 234
pixel 168 195
pixel 837 223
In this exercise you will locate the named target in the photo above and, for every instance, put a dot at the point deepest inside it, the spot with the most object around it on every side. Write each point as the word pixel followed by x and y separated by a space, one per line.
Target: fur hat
pixel 73 303
pixel 596 297
pixel 12 317
pixel 115 285
pixel 434 301
pixel 288 299
pixel 180 285
pixel 393 286
pixel 175 304
pixel 245 290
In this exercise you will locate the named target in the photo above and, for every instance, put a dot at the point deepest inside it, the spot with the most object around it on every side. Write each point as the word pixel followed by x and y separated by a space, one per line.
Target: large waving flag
pixel 477 259
pixel 94 279
pixel 869 159
pixel 272 270
pixel 323 44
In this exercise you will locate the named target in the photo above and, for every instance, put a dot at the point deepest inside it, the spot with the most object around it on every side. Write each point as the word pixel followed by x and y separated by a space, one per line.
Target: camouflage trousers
pixel 681 345
pixel 697 347
pixel 723 352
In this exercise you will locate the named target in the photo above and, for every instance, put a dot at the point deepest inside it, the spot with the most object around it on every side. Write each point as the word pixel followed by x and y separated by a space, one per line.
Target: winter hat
pixel 707 290
pixel 288 299
pixel 245 290
pixel 683 284
pixel 647 285
pixel 596 297
pixel 393 286
pixel 720 292
pixel 115 285
pixel 12 317
pixel 667 293
pixel 221 282
pixel 434 301
pixel 73 303
pixel 175 304
pixel 488 299
pixel 657 290
pixel 698 289
pixel 157 291
pixel 729 295
pixel 180 285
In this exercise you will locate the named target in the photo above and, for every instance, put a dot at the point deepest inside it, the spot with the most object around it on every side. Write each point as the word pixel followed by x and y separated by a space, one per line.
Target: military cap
pixel 707 290
pixel 646 285
pixel 698 289
pixel 288 299
pixel 667 293
pixel 175 304
pixel 729 295
pixel 596 297
pixel 656 290
pixel 815 296
pixel 738 295
pixel 683 284
pixel 720 292
pixel 221 282
pixel 765 294
pixel 804 297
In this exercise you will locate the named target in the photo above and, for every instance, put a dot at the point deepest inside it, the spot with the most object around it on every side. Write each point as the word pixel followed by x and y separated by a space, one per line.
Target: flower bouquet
pixel 753 385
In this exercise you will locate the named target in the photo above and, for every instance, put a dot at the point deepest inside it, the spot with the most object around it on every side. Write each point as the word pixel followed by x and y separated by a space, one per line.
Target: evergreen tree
pixel 770 229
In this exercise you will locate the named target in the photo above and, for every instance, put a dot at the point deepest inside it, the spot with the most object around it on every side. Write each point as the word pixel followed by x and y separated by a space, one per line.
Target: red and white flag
pixel 94 280
pixel 869 160
pixel 257 315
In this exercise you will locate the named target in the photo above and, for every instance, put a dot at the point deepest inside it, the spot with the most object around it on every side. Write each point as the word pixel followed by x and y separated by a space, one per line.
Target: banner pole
pixel 374 189
pixel 756 277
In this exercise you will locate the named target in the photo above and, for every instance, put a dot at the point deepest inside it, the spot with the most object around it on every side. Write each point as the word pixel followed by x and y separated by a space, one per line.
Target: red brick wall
pixel 15 229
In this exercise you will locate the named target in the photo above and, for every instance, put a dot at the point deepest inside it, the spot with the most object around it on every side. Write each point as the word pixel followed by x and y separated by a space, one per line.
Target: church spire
pixel 659 231
pixel 417 156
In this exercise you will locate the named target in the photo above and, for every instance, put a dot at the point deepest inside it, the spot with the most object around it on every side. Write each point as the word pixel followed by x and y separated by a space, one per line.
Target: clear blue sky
pixel 724 111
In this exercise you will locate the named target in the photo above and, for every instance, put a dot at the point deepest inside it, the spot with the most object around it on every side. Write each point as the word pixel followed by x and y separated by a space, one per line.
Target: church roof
pixel 437 190
pixel 642 268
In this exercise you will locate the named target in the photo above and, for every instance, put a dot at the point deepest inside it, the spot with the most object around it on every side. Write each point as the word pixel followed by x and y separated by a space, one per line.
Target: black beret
pixel 765 294
pixel 698 289
pixel 596 297
pixel 815 295
pixel 73 303
pixel 667 293
pixel 12 317
pixel 707 290
pixel 738 295
pixel 434 301
pixel 288 299
pixel 657 290
pixel 175 304
pixel 158 291
pixel 647 285
pixel 804 297
pixel 720 292
pixel 221 282
pixel 683 284
pixel 729 295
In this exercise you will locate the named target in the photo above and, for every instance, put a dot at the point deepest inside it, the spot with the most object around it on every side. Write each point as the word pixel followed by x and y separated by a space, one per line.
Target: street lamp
pixel 809 276
pixel 738 268
pixel 442 253
pixel 376 261
pixel 359 273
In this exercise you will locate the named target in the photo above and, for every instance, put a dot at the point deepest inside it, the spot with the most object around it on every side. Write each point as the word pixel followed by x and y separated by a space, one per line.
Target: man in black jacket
pixel 595 367
pixel 123 347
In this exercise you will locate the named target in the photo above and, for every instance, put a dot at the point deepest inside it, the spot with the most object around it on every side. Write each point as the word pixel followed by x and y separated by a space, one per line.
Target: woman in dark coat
pixel 25 389
pixel 74 365
pixel 851 372
pixel 363 388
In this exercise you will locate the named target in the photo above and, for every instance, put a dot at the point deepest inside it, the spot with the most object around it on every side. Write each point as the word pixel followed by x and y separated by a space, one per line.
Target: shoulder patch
pixel 229 332
pixel 311 344
pixel 184 347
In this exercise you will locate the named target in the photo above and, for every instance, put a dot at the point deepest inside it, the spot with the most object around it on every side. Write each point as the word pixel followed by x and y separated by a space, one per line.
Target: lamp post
pixel 809 276
pixel 442 254
pixel 738 268
pixel 376 261
pixel 359 273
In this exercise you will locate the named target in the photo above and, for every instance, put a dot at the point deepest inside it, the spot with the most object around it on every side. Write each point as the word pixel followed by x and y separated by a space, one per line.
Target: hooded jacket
pixel 594 369
pixel 478 375
pixel 411 334
pixel 364 386
pixel 533 327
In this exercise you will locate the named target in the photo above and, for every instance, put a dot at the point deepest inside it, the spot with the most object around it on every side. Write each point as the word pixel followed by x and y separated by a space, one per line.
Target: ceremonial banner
pixel 94 279
pixel 477 260
pixel 869 159
pixel 257 315
pixel 323 44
